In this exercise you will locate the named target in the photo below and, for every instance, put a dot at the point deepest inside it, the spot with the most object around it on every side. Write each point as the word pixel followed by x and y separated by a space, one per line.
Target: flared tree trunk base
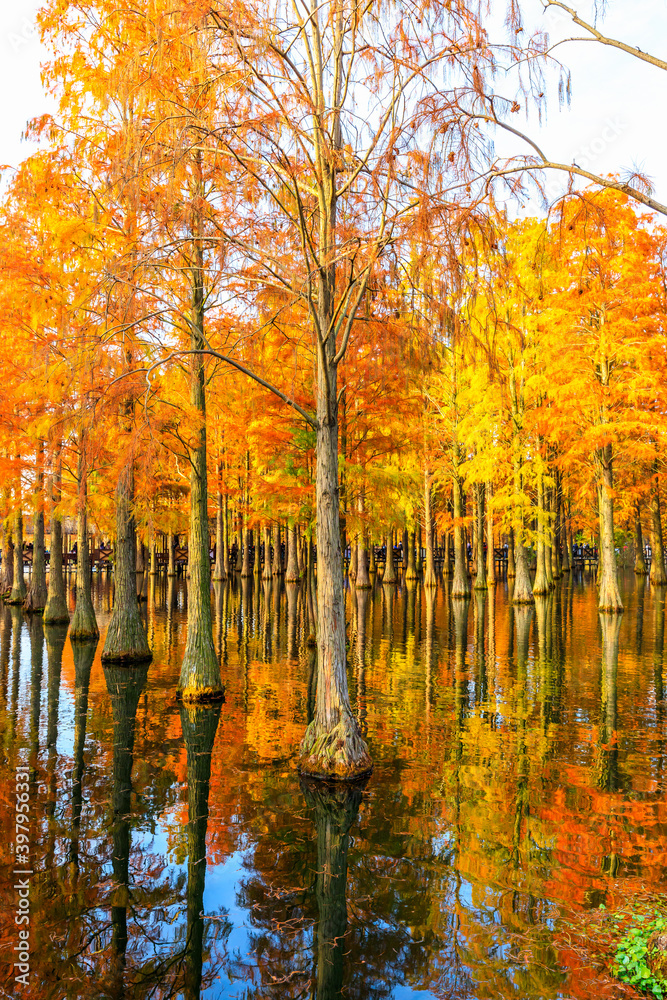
pixel 84 633
pixel 126 642
pixel 56 613
pixel 17 594
pixel 36 599
pixel 338 754
pixel 200 680
pixel 610 599
pixel 460 584
pixel 84 623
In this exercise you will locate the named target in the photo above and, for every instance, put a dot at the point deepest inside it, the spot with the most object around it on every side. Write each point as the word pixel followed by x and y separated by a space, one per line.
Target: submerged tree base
pixel 126 640
pixel 201 696
pixel 55 612
pixel 84 631
pixel 338 754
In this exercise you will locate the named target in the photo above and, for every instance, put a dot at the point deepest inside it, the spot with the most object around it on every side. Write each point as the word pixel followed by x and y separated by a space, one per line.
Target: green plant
pixel 630 963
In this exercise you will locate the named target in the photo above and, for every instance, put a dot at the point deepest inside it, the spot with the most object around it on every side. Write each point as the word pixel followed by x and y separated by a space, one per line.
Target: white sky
pixel 616 120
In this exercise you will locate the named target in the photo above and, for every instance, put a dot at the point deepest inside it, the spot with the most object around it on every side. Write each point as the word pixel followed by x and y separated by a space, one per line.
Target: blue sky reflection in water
pixel 519 783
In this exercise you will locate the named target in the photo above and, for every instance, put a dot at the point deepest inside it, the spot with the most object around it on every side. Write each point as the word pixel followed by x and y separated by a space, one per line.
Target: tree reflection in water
pixel 336 808
pixel 520 777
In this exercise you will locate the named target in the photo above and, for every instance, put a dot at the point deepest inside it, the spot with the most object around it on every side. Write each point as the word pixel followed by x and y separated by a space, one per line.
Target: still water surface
pixel 519 783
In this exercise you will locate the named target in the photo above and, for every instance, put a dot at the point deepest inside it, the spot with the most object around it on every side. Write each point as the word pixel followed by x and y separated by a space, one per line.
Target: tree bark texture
pixel 657 576
pixel 460 583
pixel 490 551
pixel 219 572
pixel 277 566
pixel 200 671
pixel 362 580
pixel 640 557
pixel 126 640
pixel 480 577
pixel 84 624
pixel 19 590
pixel 411 569
pixel 540 584
pixel 333 746
pixel 389 566
pixel 292 574
pixel 430 579
pixel 609 595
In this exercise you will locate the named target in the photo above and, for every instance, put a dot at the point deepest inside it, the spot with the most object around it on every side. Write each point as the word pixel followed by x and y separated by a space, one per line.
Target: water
pixel 519 783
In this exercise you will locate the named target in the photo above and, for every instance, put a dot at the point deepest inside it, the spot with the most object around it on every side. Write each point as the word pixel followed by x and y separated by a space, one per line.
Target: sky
pixel 616 121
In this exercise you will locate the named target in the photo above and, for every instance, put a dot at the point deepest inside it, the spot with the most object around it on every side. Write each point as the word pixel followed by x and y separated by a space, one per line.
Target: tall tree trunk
pixel 226 568
pixel 139 559
pixel 152 554
pixel 301 549
pixel 171 554
pixel 411 571
pixel 266 572
pixel 7 576
pixel 511 560
pixel 292 574
pixel 372 562
pixel 609 596
pixel 430 579
pixel 354 560
pixel 556 571
pixel 540 584
pixel 35 601
pixel 523 593
pixel 548 537
pixel 219 572
pixel 460 583
pixel 200 671
pixel 332 746
pixel 490 551
pixel 126 640
pixel 246 538
pixel 389 567
pixel 640 557
pixel 565 536
pixel 657 575
pixel 363 580
pixel 277 567
pixel 84 624
pixel 480 578
pixel 56 611
pixel 19 589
